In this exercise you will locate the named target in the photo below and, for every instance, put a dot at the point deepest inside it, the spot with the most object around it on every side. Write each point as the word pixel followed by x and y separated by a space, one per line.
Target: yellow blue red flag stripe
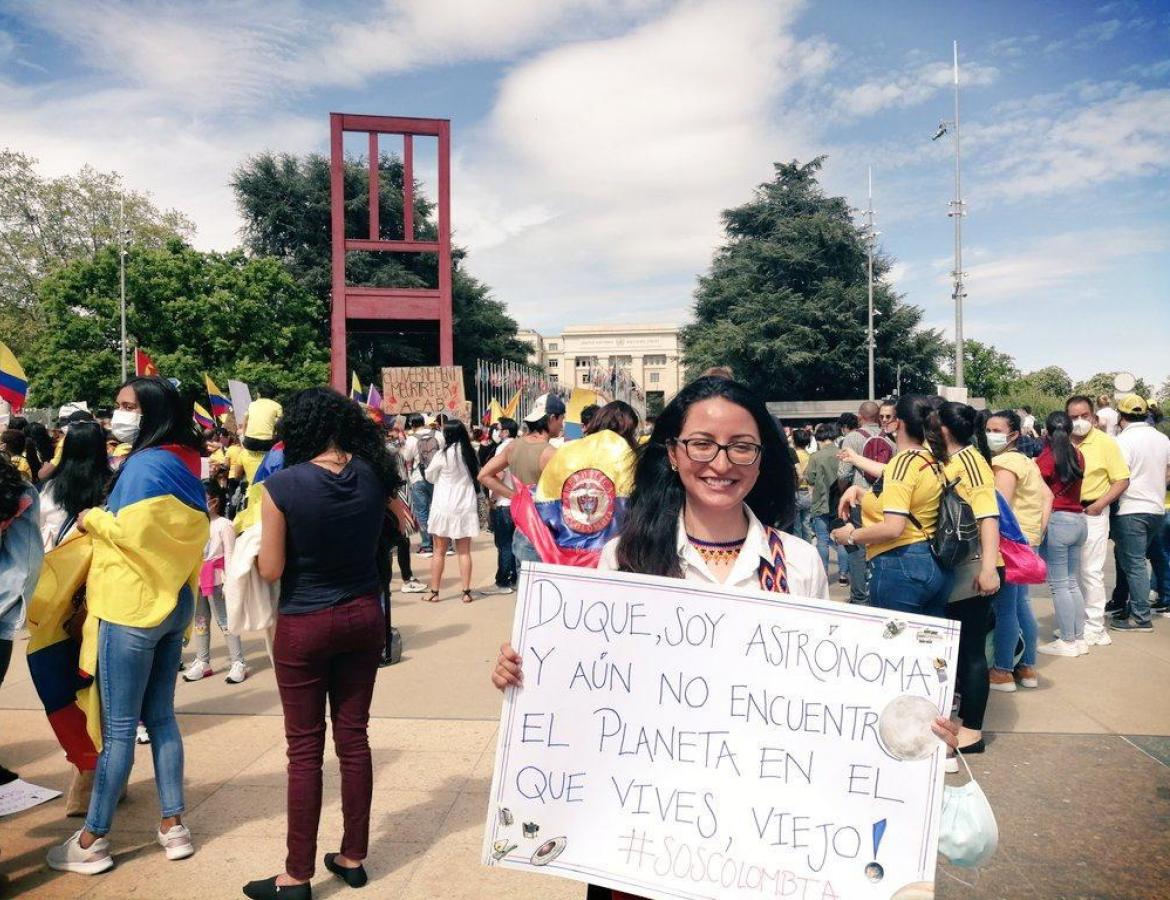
pixel 13 381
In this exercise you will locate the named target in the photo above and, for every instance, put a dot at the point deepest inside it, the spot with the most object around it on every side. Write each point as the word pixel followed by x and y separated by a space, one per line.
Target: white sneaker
pixel 142 736
pixel 176 842
pixel 1098 638
pixel 197 671
pixel 450 551
pixel 414 586
pixel 70 857
pixel 237 673
pixel 426 554
pixel 1083 647
pixel 1059 648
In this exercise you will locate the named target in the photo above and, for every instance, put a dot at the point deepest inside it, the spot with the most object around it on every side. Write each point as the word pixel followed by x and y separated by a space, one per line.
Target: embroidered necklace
pixel 717 552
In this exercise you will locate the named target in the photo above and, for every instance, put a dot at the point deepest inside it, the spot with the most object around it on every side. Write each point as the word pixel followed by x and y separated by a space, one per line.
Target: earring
pixel 673 467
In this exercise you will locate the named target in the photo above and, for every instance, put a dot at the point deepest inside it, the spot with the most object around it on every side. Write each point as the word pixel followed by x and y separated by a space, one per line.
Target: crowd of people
pixel 321 498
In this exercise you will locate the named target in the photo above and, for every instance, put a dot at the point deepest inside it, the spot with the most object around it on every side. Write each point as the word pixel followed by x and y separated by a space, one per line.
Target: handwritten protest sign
pixel 673 740
pixel 423 389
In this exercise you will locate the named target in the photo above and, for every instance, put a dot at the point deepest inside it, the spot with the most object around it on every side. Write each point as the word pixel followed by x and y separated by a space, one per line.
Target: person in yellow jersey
pixel 899 514
pixel 1019 481
pixel 1106 478
pixel 259 436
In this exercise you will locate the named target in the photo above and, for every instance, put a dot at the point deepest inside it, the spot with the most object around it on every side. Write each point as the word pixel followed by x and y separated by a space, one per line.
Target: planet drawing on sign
pixel 904 727
pixel 548 851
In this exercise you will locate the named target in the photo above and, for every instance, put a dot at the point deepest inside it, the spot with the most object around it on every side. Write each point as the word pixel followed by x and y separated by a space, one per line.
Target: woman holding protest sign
pixel 712 487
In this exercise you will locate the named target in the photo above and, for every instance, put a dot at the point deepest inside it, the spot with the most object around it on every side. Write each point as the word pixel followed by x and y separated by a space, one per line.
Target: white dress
pixel 454 510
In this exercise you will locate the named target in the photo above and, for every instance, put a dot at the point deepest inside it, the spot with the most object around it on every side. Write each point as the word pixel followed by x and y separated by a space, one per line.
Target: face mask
pixel 967 831
pixel 1081 427
pixel 996 442
pixel 124 425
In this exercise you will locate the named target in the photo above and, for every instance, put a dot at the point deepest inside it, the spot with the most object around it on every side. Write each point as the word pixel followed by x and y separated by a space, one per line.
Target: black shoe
pixel 7 775
pixel 353 877
pixel 1130 625
pixel 1159 607
pixel 268 889
pixel 977 747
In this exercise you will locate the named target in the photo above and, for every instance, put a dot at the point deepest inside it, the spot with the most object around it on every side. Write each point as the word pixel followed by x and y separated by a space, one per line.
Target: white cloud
pixel 618 156
pixel 909 87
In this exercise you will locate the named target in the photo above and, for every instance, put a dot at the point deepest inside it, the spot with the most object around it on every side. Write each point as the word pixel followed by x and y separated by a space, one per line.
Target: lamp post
pixel 957 212
pixel 871 235
pixel 122 276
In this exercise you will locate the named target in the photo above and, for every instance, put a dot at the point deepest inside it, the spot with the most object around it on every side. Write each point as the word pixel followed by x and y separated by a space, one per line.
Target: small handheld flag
pixel 202 418
pixel 355 390
pixel 13 381
pixel 374 404
pixel 143 364
pixel 220 405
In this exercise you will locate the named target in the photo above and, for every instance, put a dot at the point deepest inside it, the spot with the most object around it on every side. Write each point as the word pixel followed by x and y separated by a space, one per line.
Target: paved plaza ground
pixel 1078 773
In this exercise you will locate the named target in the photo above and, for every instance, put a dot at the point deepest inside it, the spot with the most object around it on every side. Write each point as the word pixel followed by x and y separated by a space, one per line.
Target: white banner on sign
pixel 673 740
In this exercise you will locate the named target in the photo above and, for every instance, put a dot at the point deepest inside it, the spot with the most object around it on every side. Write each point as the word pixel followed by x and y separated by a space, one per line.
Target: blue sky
pixel 597 141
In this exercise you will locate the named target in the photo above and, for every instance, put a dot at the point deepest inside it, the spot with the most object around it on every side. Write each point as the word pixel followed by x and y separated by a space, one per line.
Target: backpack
pixel 427 448
pixel 957 531
pixel 880 449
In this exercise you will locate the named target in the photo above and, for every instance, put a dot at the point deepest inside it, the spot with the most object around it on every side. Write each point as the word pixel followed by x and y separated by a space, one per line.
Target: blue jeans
pixel 1013 620
pixel 136 680
pixel 503 529
pixel 803 524
pixel 1135 535
pixel 822 526
pixel 523 550
pixel 420 504
pixel 908 579
pixel 1061 550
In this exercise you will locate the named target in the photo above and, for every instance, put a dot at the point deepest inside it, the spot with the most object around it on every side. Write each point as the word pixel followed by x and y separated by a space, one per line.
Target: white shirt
pixel 1109 417
pixel 806 574
pixel 1147 453
pixel 410 450
pixel 221 541
pixel 52 518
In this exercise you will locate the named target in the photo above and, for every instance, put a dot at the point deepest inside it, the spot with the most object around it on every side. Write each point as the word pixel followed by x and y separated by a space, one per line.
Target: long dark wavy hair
pixel 83 476
pixel 12 486
pixel 318 418
pixel 616 416
pixel 455 432
pixel 920 417
pixel 648 538
pixel 1068 468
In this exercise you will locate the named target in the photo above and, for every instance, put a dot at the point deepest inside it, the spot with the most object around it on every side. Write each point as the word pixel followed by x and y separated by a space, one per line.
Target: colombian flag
pixel 148 541
pixel 220 405
pixel 580 501
pixel 355 390
pixel 143 364
pixel 69 696
pixel 13 381
pixel 203 418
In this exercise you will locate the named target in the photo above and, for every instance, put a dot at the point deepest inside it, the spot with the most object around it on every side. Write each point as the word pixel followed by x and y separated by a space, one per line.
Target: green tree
pixel 193 312
pixel 1163 395
pixel 48 222
pixel 987 372
pixel 1102 383
pixel 784 303
pixel 284 200
pixel 1052 380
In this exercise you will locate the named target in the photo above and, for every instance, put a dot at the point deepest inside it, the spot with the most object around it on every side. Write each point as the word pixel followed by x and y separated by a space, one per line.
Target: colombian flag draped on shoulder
pixel 148 541
pixel 580 501
pixel 13 381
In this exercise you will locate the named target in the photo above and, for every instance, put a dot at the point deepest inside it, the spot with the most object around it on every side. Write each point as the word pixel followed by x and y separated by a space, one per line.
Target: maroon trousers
pixel 331 653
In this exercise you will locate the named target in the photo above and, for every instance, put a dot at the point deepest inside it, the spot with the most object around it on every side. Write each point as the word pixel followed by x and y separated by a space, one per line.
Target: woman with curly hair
pixel 321 518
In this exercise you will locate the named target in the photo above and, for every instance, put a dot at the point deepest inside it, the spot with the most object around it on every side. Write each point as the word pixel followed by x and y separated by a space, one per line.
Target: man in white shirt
pixel 1107 417
pixel 1141 508
pixel 422 443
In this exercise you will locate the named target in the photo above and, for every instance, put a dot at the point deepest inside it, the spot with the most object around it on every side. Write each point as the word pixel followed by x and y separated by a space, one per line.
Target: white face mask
pixel 1081 427
pixel 967 831
pixel 996 442
pixel 124 425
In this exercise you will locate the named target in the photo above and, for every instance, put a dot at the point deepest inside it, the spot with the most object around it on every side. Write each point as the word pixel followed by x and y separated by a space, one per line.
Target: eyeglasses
pixel 886 418
pixel 704 450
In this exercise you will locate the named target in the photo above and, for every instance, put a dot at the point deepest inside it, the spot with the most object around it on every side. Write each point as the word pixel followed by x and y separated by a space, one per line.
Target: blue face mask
pixel 967 832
